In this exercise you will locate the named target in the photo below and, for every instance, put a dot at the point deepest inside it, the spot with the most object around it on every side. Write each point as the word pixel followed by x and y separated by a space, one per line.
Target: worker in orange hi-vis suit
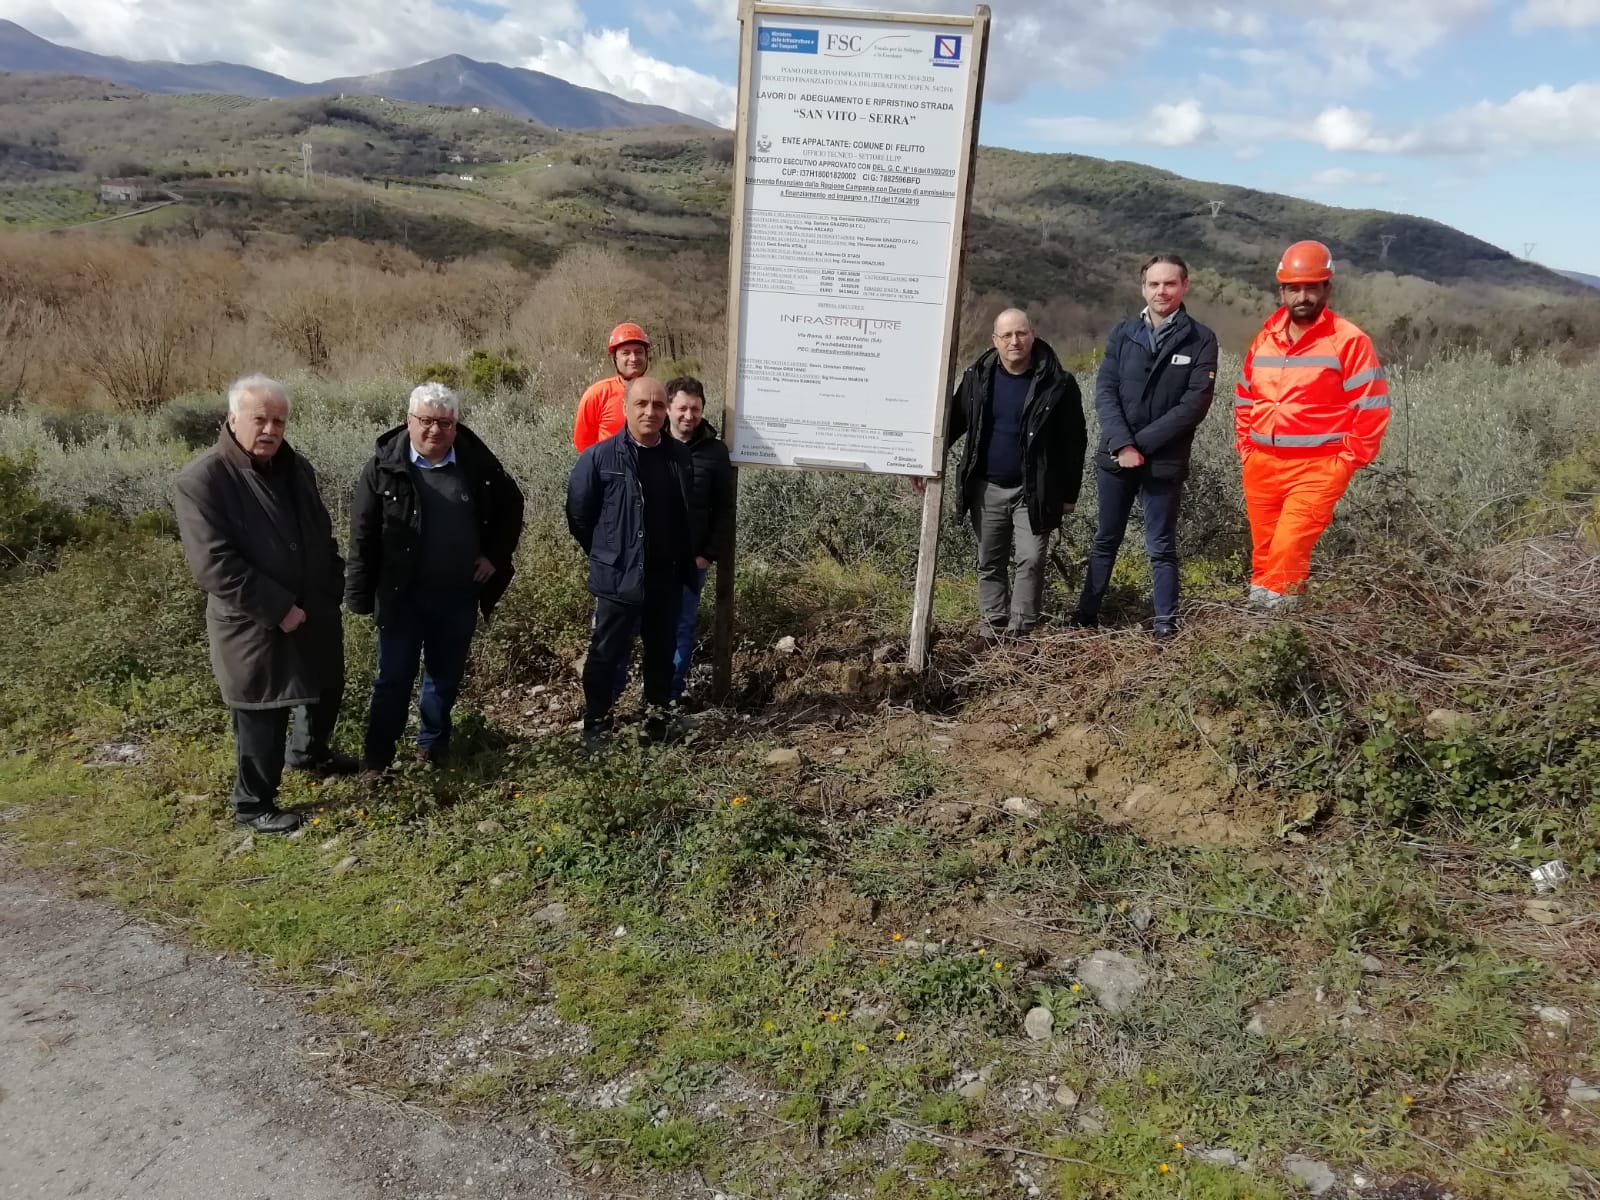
pixel 600 409
pixel 1310 412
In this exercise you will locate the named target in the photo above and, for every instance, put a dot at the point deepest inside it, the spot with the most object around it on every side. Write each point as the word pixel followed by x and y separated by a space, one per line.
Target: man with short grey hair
pixel 260 543
pixel 1021 468
pixel 433 527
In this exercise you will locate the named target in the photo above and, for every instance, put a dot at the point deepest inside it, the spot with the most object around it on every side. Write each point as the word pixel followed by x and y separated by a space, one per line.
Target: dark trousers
pixel 655 624
pixel 258 746
pixel 433 629
pixel 1160 500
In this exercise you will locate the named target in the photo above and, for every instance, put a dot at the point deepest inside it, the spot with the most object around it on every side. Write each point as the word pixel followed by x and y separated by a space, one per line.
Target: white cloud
pixel 1541 117
pixel 1343 177
pixel 1561 14
pixel 312 41
pixel 1171 125
pixel 1344 129
pixel 608 60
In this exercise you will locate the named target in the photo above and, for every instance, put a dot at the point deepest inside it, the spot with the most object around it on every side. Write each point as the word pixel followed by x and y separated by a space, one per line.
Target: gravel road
pixel 132 1067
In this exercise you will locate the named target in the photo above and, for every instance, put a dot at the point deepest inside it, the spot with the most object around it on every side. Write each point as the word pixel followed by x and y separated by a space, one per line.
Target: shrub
pixel 194 421
pixel 487 373
pixel 28 522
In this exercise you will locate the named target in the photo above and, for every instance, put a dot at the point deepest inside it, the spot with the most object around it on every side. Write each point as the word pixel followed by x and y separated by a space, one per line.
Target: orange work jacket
pixel 599 413
pixel 1320 395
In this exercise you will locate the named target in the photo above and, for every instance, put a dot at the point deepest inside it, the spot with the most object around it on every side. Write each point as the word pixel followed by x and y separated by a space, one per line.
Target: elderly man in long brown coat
pixel 259 541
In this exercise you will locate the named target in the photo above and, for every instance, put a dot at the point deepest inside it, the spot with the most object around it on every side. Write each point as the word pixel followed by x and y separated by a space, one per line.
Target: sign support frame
pixel 933 489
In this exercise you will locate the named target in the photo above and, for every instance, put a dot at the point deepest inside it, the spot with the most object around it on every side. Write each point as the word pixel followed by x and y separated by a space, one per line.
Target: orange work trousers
pixel 1290 502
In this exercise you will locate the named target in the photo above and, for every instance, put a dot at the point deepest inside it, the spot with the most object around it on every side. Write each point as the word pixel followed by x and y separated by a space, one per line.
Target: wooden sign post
pixel 854 147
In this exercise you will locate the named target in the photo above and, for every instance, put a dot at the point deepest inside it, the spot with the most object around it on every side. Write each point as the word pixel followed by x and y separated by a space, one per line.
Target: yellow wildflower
pixel 1077 987
pixel 899 937
pixel 860 1049
pixel 899 1035
pixel 737 801
pixel 1163 1168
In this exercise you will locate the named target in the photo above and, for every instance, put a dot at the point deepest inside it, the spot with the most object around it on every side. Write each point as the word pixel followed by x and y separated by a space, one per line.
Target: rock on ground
pixel 1114 979
pixel 1318 1177
pixel 1039 1024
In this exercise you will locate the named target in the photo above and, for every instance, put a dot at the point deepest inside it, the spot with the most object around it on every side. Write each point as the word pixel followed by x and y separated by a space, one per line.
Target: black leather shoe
pixel 331 763
pixel 1080 620
pixel 274 820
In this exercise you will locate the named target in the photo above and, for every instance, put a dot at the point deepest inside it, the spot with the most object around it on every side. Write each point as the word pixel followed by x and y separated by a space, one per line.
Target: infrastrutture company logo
pixel 786 41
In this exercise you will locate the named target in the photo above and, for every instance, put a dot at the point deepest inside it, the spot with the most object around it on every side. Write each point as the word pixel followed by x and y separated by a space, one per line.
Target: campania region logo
pixel 946 50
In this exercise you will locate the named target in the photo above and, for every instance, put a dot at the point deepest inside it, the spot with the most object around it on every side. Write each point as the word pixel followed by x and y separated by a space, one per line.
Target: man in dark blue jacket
pixel 628 507
pixel 1153 390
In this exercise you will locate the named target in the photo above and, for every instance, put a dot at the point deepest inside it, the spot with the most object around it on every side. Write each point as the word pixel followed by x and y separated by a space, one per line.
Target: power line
pixel 1527 249
pixel 1216 207
pixel 305 162
pixel 1387 239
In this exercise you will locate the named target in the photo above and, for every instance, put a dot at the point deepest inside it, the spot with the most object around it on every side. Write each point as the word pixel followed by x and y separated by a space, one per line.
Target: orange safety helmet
pixel 625 333
pixel 1306 262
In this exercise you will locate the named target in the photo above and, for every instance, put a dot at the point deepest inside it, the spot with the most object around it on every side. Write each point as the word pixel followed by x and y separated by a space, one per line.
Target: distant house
pixel 455 158
pixel 476 110
pixel 122 191
pixel 466 178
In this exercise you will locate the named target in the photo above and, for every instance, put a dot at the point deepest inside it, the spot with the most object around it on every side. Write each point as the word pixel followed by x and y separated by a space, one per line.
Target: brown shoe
pixel 431 756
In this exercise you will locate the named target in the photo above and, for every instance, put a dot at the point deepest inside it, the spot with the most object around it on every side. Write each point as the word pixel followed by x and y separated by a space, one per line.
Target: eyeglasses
pixel 443 424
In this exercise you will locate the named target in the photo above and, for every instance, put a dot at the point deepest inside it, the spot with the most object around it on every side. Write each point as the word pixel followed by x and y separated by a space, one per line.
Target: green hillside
pixel 1059 232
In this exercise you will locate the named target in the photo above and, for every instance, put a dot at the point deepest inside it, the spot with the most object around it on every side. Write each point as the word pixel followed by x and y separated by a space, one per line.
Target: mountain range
pixel 454 79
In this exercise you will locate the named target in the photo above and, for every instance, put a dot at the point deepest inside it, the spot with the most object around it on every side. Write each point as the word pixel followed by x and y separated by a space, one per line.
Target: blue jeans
pixel 688 618
pixel 435 629
pixel 1117 490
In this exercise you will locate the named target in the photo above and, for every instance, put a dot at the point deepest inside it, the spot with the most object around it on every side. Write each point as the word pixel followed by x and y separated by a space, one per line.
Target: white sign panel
pixel 853 147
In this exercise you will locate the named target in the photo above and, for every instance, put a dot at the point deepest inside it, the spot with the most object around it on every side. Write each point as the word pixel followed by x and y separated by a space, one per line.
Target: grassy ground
pixel 812 982
pixel 1309 837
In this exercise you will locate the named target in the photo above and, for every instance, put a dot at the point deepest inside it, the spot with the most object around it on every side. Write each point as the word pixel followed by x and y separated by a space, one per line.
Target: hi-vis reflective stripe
pixel 1242 397
pixel 1296 360
pixel 1364 378
pixel 1372 402
pixel 1296 439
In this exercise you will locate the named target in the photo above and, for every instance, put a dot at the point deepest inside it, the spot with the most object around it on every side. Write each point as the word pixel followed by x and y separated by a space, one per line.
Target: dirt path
pixel 134 1068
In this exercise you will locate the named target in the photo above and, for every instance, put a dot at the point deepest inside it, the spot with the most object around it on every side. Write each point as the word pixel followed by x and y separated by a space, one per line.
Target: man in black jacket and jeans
pixel 628 507
pixel 710 508
pixel 433 526
pixel 1022 415
pixel 1153 390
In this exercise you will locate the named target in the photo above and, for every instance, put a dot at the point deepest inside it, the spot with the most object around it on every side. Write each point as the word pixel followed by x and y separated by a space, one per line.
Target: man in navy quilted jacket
pixel 1153 390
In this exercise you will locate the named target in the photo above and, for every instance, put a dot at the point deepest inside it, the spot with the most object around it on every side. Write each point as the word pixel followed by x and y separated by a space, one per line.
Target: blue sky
pixel 1484 114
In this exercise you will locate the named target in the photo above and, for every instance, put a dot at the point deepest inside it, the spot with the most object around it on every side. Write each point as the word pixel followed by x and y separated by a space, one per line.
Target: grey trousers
pixel 1000 521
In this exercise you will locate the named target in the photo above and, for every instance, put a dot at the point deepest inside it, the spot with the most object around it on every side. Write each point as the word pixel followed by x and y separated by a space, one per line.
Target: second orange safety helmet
pixel 1306 262
pixel 625 333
